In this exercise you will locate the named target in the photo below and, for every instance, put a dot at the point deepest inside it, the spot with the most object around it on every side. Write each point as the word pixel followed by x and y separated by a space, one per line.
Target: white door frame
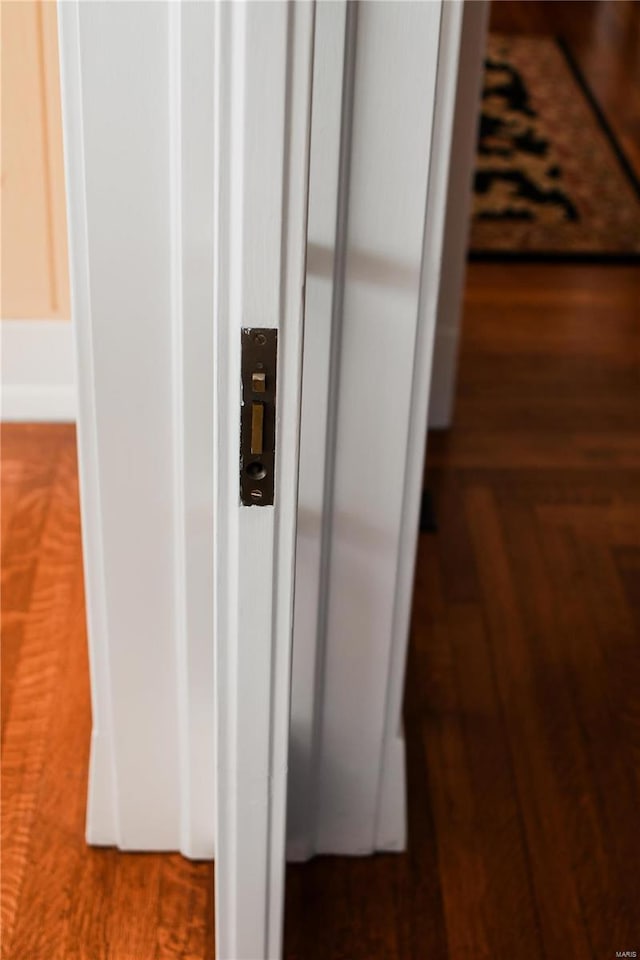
pixel 187 219
pixel 152 337
pixel 383 105
pixel 120 183
pixel 263 57
pixel 455 241
pixel 186 136
pixel 140 200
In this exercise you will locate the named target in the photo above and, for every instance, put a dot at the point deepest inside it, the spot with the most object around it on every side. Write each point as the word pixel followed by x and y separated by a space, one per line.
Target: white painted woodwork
pixel 389 815
pixel 263 60
pixel 357 751
pixel 394 86
pixel 475 21
pixel 117 140
pixel 186 129
pixel 334 58
pixel 191 105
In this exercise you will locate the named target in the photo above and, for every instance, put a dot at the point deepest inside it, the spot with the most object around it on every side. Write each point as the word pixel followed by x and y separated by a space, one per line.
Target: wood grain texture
pixel 60 898
pixel 522 711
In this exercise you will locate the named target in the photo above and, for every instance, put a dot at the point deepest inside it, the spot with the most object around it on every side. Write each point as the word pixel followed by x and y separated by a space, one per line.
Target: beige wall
pixel 34 247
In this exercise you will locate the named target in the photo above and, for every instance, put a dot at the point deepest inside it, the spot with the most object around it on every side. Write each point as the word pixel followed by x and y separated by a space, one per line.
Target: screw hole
pixel 256 470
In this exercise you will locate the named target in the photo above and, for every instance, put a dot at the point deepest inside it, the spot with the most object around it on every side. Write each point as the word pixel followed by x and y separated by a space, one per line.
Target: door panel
pixel 263 54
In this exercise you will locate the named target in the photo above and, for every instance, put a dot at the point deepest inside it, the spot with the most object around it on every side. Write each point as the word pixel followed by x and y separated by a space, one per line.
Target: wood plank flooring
pixel 60 898
pixel 523 688
pixel 522 709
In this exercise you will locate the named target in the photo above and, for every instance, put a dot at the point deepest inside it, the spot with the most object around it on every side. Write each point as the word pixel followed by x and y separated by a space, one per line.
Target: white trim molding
pixel 38 373
pixel 263 57
pixel 117 135
pixel 382 107
pixel 186 136
pixel 464 90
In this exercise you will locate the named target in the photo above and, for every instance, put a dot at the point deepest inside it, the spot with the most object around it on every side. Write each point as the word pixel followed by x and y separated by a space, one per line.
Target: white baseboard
pixel 38 377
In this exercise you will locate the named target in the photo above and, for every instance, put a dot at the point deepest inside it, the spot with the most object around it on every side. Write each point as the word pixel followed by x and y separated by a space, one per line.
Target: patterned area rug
pixel 550 181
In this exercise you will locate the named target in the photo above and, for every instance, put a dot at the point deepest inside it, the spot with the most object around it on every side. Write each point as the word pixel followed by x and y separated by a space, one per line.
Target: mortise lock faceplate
pixel 258 415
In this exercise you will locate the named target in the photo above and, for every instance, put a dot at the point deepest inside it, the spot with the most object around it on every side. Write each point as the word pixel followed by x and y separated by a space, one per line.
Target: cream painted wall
pixel 34 245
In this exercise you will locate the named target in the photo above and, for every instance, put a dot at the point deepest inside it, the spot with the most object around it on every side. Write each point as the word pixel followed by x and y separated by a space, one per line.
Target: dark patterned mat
pixel 550 180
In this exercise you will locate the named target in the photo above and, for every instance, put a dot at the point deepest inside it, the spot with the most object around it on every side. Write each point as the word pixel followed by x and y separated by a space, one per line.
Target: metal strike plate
pixel 258 416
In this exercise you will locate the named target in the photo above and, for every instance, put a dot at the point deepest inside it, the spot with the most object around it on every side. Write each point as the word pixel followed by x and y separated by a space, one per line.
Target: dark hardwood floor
pixel 523 689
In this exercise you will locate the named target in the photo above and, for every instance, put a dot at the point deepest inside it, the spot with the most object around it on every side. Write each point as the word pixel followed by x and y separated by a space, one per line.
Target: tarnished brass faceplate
pixel 258 416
